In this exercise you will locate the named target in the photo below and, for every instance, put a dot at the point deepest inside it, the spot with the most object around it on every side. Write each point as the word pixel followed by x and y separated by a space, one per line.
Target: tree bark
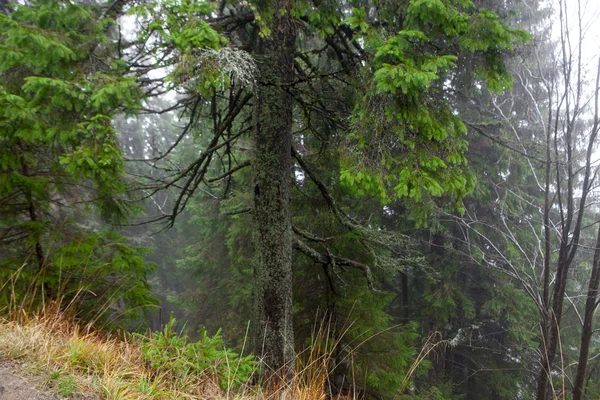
pixel 273 113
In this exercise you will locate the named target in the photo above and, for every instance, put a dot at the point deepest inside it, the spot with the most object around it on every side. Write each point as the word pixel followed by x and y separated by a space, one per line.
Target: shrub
pixel 166 352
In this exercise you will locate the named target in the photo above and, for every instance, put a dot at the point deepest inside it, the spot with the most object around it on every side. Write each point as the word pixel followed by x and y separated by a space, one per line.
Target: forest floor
pixel 15 386
pixel 16 383
pixel 49 357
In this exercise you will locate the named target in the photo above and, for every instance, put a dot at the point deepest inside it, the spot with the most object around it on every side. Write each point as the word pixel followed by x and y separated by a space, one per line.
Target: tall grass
pixel 115 366
pixel 78 356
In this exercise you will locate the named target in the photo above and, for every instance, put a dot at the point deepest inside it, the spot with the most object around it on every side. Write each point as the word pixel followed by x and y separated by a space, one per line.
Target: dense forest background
pixel 418 177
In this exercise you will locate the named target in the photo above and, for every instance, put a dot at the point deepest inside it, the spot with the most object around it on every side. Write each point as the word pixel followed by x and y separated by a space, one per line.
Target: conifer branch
pixel 333 260
pixel 230 172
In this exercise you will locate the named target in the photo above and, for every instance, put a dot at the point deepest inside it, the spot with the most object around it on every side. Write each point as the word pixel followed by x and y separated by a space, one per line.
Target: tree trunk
pixel 4 7
pixel 405 305
pixel 272 313
pixel 586 333
pixel 550 330
pixel 33 217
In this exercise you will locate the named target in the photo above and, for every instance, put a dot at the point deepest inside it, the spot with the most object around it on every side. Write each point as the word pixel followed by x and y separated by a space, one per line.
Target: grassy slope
pixel 75 360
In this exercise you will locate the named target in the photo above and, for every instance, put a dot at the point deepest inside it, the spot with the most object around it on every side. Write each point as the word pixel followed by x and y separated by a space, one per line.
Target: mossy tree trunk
pixel 273 113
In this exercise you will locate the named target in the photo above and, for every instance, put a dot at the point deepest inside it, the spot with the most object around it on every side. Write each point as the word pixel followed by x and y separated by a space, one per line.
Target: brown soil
pixel 15 385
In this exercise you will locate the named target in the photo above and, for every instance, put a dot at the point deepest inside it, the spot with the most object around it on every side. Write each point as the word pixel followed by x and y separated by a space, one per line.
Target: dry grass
pixel 78 360
pixel 112 367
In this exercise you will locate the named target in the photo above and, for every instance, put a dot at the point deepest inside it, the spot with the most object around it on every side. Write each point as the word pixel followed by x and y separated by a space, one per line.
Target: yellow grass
pixel 76 359
pixel 114 368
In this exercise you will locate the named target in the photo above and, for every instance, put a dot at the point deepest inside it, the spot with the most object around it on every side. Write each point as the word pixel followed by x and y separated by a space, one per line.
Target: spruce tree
pixel 403 140
pixel 60 161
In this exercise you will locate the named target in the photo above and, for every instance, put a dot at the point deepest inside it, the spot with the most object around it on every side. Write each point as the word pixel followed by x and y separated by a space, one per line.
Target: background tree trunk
pixel 586 334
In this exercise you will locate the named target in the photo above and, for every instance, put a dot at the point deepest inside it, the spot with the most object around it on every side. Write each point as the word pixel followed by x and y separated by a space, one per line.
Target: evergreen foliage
pixel 60 162
pixel 169 353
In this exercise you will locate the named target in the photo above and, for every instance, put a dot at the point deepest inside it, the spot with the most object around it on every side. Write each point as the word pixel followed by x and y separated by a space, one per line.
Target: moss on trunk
pixel 273 113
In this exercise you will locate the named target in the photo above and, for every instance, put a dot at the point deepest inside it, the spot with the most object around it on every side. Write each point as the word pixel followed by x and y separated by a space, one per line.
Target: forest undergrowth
pixel 77 355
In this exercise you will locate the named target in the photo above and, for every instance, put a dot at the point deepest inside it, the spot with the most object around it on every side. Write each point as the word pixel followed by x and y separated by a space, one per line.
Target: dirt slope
pixel 17 387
